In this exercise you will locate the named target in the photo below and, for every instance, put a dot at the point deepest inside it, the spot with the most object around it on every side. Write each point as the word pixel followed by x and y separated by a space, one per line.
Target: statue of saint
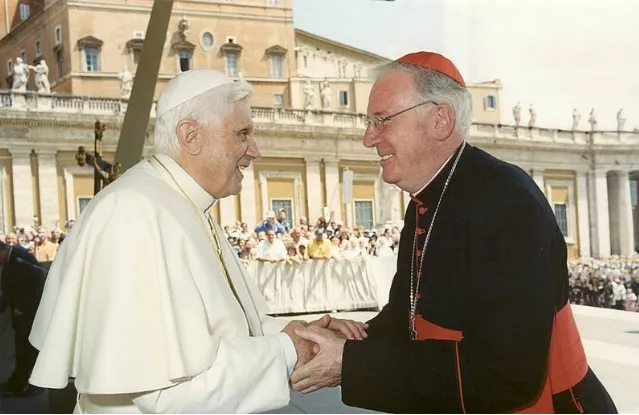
pixel 42 77
pixel 533 117
pixel 621 120
pixel 325 95
pixel 20 76
pixel 309 94
pixel 126 83
pixel 517 114
pixel 575 119
pixel 593 120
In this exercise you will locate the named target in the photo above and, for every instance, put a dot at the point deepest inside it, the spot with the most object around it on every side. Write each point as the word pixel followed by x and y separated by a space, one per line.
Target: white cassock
pixel 137 308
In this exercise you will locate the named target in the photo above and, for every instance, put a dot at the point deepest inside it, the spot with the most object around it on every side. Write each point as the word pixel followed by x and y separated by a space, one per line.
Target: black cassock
pixel 494 284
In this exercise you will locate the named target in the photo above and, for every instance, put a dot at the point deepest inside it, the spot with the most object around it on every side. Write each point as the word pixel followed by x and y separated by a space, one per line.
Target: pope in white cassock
pixel 146 304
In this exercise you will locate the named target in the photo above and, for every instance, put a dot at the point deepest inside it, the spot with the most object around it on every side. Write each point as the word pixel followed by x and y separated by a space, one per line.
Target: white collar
pixel 202 199
pixel 434 176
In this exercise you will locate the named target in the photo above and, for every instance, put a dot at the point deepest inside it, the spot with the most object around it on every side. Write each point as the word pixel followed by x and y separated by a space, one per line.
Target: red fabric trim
pixel 416 200
pixel 427 330
pixel 567 363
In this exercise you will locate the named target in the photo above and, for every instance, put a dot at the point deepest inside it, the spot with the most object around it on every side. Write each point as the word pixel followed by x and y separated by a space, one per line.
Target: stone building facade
pixel 589 177
pixel 310 93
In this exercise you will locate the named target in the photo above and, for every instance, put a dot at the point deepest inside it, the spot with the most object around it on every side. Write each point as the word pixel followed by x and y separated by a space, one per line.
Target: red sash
pixel 567 364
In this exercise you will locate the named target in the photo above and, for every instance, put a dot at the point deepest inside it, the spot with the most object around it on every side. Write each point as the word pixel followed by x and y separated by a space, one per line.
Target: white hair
pixel 210 106
pixel 434 86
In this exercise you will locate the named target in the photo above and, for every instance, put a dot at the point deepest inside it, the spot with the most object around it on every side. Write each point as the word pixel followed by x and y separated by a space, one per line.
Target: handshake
pixel 319 346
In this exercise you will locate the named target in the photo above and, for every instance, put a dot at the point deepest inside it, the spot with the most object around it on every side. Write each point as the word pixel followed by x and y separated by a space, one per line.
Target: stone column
pixel 4 220
pixel 331 183
pixel 388 203
pixel 313 189
pixel 22 187
pixel 247 198
pixel 621 235
pixel 583 219
pixel 48 179
pixel 227 211
pixel 538 177
pixel 599 219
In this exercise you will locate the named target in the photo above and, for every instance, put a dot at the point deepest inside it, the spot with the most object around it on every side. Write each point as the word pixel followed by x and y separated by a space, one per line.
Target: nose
pixel 371 137
pixel 252 151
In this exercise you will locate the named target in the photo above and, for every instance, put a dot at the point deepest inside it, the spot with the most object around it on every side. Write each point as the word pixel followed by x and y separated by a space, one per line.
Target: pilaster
pixel 313 186
pixel 23 197
pixel 227 210
pixel 331 183
pixel 621 231
pixel 583 216
pixel 48 180
pixel 599 218
pixel 247 198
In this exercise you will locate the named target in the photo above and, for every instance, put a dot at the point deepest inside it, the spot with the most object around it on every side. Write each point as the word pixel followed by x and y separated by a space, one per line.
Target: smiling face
pixel 409 144
pixel 218 152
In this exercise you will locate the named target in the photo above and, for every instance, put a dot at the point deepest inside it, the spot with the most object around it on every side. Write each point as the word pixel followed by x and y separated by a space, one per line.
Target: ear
pixel 444 122
pixel 187 133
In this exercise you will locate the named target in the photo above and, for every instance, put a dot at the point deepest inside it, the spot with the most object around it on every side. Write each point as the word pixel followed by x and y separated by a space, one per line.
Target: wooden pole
pixel 136 119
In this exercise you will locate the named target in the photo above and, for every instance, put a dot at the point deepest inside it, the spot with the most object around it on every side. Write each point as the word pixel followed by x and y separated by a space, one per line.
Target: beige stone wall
pixel 480 93
pixel 258 29
pixel 40 27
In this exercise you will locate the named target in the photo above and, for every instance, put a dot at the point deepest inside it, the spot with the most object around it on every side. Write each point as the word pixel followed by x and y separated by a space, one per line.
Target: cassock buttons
pixel 419 231
pixel 422 210
pixel 418 253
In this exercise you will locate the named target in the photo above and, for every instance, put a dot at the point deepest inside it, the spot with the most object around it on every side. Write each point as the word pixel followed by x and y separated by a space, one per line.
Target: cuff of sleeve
pixel 289 351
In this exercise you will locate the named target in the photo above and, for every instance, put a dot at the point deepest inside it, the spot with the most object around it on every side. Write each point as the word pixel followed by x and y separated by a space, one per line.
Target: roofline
pixel 342 45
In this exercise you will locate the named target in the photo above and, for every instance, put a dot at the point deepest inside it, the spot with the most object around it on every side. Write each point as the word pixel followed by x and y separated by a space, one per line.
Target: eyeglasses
pixel 378 122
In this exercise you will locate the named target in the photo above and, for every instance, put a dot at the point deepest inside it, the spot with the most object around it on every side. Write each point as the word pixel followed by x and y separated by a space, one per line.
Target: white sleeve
pixel 250 375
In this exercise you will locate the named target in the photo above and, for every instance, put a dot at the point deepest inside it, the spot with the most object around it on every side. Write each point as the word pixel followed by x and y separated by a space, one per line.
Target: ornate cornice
pixel 90 42
pixel 134 44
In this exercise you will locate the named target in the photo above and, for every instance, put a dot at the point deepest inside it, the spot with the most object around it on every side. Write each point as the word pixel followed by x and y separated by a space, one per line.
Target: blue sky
pixel 555 54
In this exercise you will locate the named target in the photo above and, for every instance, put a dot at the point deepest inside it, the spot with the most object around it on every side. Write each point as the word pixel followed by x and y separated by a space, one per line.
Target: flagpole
pixel 136 119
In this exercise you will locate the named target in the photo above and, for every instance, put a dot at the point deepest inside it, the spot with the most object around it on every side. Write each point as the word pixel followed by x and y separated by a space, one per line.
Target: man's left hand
pixel 351 330
pixel 325 369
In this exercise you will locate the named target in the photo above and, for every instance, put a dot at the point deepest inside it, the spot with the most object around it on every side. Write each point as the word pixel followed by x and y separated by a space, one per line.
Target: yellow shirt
pixel 316 249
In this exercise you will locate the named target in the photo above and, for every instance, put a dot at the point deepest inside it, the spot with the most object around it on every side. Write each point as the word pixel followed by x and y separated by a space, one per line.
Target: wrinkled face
pixel 221 151
pixel 11 239
pixel 404 142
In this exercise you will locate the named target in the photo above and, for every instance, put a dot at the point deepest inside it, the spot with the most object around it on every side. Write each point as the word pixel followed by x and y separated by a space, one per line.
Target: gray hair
pixel 210 106
pixel 435 86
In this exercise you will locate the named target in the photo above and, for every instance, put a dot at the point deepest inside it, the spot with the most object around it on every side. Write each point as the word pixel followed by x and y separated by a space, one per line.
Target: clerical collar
pixel 435 175
pixel 202 199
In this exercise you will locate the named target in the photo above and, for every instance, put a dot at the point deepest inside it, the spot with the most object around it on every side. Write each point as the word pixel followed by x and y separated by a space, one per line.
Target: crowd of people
pixel 275 239
pixel 609 283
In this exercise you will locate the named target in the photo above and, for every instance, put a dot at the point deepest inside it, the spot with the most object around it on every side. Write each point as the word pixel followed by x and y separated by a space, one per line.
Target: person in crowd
pixel 319 248
pixel 166 319
pixel 271 249
pixel 21 284
pixel 477 227
pixel 270 223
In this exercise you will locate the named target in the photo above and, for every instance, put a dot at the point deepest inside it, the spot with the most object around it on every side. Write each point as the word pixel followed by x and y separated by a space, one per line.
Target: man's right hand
pixel 304 348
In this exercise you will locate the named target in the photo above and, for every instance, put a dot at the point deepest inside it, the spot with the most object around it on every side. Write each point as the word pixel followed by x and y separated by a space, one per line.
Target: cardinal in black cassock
pixel 478 318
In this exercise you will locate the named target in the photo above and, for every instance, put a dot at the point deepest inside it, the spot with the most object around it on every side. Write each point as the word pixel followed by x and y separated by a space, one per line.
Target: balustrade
pixel 13 101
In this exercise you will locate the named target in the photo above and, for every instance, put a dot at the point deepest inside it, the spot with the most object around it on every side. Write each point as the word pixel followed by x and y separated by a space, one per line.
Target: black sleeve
pixel 387 324
pixel 500 364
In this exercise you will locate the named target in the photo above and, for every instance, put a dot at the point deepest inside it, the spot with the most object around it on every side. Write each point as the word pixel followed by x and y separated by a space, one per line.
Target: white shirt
pixel 138 309
pixel 275 250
